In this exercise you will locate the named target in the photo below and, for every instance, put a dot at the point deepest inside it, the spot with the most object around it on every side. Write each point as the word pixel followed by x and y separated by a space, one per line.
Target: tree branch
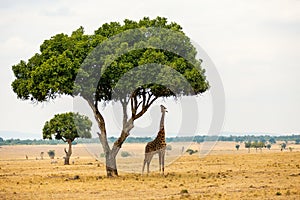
pixel 144 98
pixel 133 104
pixel 101 123
pixel 124 134
pixel 128 125
pixel 125 115
pixel 152 101
pixel 63 139
pixel 144 109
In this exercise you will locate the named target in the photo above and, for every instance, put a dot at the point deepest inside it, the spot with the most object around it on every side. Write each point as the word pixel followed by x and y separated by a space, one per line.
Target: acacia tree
pixel 67 127
pixel 119 62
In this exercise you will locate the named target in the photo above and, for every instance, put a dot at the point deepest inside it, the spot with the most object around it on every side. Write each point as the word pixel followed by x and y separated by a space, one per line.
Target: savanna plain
pixel 225 173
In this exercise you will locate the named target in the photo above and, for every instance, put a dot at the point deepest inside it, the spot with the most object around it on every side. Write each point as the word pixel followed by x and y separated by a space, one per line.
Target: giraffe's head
pixel 163 109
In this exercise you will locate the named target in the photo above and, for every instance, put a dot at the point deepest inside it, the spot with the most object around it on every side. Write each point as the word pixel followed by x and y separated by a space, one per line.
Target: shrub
pixel 51 154
pixel 191 151
pixel 169 147
pixel 184 191
pixel 125 154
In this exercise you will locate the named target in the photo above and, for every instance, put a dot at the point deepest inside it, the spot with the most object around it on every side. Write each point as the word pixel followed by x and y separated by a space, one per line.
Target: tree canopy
pixel 67 126
pixel 53 71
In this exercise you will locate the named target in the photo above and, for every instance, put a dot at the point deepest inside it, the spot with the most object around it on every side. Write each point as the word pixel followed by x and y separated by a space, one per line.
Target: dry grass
pixel 224 174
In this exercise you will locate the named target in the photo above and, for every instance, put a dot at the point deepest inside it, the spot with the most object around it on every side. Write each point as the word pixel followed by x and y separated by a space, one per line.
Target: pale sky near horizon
pixel 254 45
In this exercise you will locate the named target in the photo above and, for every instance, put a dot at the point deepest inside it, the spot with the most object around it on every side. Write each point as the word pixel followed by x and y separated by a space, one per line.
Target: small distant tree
pixel 297 141
pixel 283 146
pixel 269 146
pixel 248 145
pixel 272 141
pixel 42 155
pixel 67 127
pixel 258 145
pixel 254 145
pixel 261 144
pixel 51 154
pixel 237 146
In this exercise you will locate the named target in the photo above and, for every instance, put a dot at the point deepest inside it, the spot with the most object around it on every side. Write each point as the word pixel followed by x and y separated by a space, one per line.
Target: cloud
pixel 11 5
pixel 57 12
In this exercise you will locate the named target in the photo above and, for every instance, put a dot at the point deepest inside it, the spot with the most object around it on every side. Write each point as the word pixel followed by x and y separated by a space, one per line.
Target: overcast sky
pixel 254 45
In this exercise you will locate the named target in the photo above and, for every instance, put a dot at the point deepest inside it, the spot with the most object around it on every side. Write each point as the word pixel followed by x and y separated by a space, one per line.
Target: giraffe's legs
pixel 148 158
pixel 163 161
pixel 148 162
pixel 144 163
pixel 159 159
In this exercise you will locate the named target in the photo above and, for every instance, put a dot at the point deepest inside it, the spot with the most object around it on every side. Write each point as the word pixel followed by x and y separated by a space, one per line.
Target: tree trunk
pixel 111 165
pixel 110 155
pixel 68 153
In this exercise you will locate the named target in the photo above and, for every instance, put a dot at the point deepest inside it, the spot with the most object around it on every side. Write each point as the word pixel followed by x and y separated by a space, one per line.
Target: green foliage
pixel 125 154
pixel 269 146
pixel 257 144
pixel 136 51
pixel 297 141
pixel 237 146
pixel 67 126
pixel 51 153
pixel 53 71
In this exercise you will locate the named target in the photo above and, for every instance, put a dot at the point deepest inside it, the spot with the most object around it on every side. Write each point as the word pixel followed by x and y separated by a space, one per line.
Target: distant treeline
pixel 197 138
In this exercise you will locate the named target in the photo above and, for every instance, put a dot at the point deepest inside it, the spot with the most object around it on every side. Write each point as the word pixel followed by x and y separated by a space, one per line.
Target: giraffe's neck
pixel 162 121
pixel 160 136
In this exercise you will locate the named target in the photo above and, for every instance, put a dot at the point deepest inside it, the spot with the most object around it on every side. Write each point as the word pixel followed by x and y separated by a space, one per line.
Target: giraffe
pixel 158 145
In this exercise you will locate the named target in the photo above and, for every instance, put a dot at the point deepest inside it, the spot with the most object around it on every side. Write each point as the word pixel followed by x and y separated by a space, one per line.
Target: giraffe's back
pixel 155 146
